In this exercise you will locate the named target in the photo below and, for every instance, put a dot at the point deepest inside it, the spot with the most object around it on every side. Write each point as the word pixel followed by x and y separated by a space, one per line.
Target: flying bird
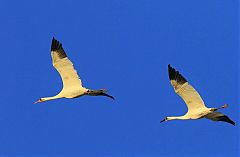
pixel 72 85
pixel 194 102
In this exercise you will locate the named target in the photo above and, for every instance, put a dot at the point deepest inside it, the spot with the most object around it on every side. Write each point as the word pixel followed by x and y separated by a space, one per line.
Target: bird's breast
pixel 74 92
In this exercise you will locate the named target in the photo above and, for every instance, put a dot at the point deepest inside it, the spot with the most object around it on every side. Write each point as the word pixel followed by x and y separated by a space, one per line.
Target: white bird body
pixel 194 102
pixel 72 85
pixel 73 92
pixel 200 113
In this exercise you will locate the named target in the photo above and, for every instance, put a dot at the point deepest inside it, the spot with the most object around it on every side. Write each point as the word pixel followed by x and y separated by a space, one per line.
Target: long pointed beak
pixel 163 120
pixel 104 94
pixel 37 101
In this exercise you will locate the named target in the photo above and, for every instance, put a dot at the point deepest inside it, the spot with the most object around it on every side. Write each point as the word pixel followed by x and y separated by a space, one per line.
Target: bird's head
pixel 168 119
pixel 40 100
pixel 164 120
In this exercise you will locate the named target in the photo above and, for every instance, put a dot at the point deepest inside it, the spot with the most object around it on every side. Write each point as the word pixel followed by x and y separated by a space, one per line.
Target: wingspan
pixel 217 116
pixel 190 96
pixel 64 66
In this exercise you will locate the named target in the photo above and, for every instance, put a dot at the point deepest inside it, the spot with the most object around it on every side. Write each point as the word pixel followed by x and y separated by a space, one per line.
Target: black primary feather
pixel 175 75
pixel 226 119
pixel 57 47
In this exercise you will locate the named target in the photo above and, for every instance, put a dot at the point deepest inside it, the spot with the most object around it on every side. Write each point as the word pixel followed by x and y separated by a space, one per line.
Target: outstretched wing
pixel 64 66
pixel 185 90
pixel 217 116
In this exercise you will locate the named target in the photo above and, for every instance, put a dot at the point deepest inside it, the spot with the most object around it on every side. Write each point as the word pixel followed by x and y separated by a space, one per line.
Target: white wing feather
pixel 190 96
pixel 64 67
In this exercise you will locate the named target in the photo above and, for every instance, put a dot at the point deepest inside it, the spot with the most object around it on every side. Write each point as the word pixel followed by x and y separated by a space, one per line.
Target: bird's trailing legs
pixel 224 106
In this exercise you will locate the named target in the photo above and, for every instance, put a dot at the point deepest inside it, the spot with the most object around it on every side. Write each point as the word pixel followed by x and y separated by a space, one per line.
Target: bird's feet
pixel 225 106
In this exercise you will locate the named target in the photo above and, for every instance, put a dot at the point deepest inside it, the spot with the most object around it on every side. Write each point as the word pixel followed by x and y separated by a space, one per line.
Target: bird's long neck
pixel 51 98
pixel 177 118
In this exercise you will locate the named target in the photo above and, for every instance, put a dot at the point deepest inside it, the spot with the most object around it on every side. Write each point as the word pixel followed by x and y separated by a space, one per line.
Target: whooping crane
pixel 195 104
pixel 72 85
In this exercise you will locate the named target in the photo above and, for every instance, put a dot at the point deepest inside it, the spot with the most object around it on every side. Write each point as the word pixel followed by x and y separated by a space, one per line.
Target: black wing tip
pixel 231 122
pixel 226 119
pixel 112 97
pixel 171 72
pixel 56 45
pixel 107 95
pixel 175 75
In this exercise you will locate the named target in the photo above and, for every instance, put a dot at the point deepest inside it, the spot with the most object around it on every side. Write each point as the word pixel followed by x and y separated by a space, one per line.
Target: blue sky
pixel 124 46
